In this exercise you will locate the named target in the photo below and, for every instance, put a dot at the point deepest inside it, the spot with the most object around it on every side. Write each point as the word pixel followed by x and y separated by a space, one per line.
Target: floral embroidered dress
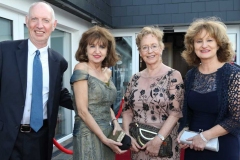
pixel 150 100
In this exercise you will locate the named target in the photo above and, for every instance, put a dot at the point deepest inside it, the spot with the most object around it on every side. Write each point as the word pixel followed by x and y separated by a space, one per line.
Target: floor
pixel 59 155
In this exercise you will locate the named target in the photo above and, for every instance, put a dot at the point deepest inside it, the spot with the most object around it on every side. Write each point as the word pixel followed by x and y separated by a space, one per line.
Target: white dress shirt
pixel 45 69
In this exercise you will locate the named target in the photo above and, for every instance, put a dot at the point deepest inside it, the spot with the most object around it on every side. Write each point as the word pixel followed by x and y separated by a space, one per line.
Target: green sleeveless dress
pixel 86 145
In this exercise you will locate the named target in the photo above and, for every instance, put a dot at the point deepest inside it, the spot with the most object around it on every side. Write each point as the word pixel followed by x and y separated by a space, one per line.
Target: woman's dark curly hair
pixel 217 30
pixel 103 36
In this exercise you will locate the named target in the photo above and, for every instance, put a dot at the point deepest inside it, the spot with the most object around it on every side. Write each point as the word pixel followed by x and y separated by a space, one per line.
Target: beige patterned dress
pixel 86 145
pixel 150 100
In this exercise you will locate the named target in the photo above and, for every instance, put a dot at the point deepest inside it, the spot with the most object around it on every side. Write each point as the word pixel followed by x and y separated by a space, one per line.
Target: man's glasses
pixel 153 47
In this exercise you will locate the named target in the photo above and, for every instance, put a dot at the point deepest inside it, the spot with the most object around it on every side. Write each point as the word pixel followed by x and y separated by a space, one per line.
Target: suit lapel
pixel 53 71
pixel 22 59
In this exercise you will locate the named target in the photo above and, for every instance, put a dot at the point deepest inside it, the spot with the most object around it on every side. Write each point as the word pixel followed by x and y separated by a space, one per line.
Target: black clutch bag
pixel 120 136
pixel 144 133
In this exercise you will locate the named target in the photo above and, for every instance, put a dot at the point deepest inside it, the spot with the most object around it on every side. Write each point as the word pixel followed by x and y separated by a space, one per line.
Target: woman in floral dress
pixel 154 97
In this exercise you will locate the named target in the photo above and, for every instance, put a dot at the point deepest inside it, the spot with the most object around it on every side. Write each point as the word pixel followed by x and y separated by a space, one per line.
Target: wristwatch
pixel 161 136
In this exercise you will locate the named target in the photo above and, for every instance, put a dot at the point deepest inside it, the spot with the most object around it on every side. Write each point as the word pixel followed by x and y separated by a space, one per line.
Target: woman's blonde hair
pixel 216 29
pixel 150 30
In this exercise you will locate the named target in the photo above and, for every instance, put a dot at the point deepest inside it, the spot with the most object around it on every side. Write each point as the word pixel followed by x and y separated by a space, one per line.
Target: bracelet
pixel 161 136
pixel 203 138
pixel 114 119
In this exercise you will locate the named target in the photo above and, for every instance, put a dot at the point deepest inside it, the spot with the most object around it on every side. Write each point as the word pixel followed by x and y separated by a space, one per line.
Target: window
pixel 233 40
pixel 25 32
pixel 6 29
pixel 61 42
pixel 122 71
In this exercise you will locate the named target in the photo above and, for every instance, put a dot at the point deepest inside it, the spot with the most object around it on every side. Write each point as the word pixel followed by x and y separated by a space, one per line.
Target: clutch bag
pixel 120 136
pixel 143 133
pixel 212 145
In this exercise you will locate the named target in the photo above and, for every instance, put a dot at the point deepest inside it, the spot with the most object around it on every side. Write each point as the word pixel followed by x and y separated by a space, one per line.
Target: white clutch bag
pixel 212 144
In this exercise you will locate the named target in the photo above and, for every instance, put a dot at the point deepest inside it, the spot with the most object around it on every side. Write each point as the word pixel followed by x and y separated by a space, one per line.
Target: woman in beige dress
pixel 154 97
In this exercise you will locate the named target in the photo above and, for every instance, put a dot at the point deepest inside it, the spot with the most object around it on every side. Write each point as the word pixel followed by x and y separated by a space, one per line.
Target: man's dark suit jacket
pixel 13 84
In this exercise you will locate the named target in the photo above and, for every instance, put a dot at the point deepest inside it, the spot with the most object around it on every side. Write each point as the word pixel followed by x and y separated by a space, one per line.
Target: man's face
pixel 40 24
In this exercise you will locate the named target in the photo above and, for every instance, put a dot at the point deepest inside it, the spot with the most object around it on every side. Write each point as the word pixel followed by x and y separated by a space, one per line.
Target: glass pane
pixel 25 32
pixel 233 39
pixel 6 29
pixel 61 42
pixel 122 71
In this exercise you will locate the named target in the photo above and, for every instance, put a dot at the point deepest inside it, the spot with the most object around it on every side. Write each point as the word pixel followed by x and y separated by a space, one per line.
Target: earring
pixel 140 62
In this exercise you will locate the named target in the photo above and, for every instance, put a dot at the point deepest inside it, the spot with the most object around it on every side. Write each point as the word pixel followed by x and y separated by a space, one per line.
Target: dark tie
pixel 36 117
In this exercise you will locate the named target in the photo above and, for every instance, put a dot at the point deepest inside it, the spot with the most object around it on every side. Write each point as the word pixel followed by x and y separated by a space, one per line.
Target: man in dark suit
pixel 26 133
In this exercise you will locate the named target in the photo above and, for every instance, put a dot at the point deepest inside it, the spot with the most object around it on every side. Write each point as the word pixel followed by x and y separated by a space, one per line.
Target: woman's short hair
pixel 150 30
pixel 103 36
pixel 217 30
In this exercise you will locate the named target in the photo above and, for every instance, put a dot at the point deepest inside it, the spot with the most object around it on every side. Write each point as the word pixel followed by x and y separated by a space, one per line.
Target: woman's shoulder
pixel 233 66
pixel 135 76
pixel 172 72
pixel 191 71
pixel 229 69
pixel 138 73
pixel 81 66
pixel 79 73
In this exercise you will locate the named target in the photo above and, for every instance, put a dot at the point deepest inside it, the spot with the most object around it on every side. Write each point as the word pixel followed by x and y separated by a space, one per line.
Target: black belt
pixel 27 129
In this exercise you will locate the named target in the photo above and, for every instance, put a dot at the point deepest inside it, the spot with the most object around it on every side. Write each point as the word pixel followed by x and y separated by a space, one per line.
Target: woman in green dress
pixel 93 95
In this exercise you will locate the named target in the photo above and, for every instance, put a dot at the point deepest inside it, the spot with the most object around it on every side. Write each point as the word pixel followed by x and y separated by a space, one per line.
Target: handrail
pixel 60 147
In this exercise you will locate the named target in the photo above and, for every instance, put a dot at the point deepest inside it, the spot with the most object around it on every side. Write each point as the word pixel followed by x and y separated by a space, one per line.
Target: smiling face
pixel 205 46
pixel 96 52
pixel 150 50
pixel 40 24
